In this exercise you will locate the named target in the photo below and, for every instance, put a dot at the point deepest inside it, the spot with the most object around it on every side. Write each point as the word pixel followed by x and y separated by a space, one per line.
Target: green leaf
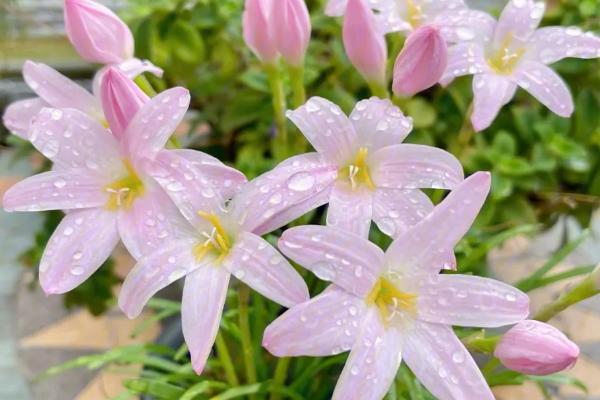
pixel 157 389
pixel 560 379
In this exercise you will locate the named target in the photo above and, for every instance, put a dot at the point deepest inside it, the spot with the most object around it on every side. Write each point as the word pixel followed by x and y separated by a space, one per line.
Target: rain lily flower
pixel 100 36
pixel 536 348
pixel 513 52
pixel 376 177
pixel 385 307
pixel 224 239
pixel 422 61
pixel 104 184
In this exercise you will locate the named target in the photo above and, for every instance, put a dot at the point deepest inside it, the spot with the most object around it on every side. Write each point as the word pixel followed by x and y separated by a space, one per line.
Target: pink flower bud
pixel 258 31
pixel 97 34
pixel 291 27
pixel 535 348
pixel 421 63
pixel 121 99
pixel 364 42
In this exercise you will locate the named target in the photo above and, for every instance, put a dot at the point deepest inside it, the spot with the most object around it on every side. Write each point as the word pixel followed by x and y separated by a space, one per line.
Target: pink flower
pixel 364 42
pixel 535 348
pixel 511 53
pixel 105 185
pixel 374 177
pixel 99 36
pixel 385 307
pixel 224 239
pixel 422 61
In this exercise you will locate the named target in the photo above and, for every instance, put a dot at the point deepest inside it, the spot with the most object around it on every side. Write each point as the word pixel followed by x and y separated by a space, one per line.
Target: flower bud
pixel 291 27
pixel 536 348
pixel 258 31
pixel 364 42
pixel 121 99
pixel 98 35
pixel 421 63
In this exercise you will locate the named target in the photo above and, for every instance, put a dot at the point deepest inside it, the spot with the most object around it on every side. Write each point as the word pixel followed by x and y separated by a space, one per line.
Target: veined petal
pixel 18 115
pixel 463 24
pixel 373 361
pixel 80 244
pixel 412 166
pixel 172 261
pixel 379 123
pixel 327 128
pixel 544 45
pixel 155 122
pixel 346 259
pixel 424 248
pixel 350 209
pixel 491 92
pixel 71 139
pixel 465 300
pixel 56 190
pixel 545 85
pixel 325 325
pixel 464 59
pixel 442 363
pixel 58 90
pixel 519 20
pixel 283 194
pixel 259 265
pixel 395 210
pixel 204 296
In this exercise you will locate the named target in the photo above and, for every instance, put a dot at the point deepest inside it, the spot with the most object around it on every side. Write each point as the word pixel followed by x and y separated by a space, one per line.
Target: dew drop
pixel 301 181
pixel 77 271
pixel 458 357
pixel 68 231
pixel 77 256
pixel 60 183
pixel 324 271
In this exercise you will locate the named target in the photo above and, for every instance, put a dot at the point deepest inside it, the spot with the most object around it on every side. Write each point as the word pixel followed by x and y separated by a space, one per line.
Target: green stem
pixel 279 108
pixel 466 133
pixel 244 320
pixel 378 89
pixel 280 375
pixel 225 358
pixel 145 85
pixel 297 80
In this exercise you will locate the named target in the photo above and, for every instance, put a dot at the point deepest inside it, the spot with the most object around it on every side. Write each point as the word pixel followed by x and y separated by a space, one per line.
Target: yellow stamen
pixel 505 59
pixel 389 300
pixel 358 171
pixel 218 241
pixel 414 13
pixel 124 191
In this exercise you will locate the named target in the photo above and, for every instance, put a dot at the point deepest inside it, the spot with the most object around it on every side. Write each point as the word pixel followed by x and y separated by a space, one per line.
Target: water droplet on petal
pixel 324 271
pixel 301 181
pixel 60 183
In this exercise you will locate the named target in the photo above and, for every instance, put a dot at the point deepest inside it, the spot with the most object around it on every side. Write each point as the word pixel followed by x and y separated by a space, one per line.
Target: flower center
pixel 217 241
pixel 358 171
pixel 393 304
pixel 414 13
pixel 506 58
pixel 124 191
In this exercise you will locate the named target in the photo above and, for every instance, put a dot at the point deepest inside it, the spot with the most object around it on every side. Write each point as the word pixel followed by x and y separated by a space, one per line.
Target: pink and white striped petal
pixel 327 128
pixel 491 92
pixel 323 326
pixel 350 209
pixel 545 85
pixel 413 166
pixel 334 255
pixel 373 361
pixel 464 59
pixel 172 261
pixel 442 363
pixel 204 295
pixel 56 190
pixel 544 45
pixel 518 21
pixel 18 115
pixel 465 300
pixel 395 210
pixel 259 265
pixel 82 241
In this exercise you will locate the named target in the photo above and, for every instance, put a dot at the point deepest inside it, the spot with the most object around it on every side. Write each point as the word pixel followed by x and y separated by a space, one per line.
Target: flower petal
pixel 350 209
pixel 283 194
pixel 544 45
pixel 412 166
pixel 395 210
pixel 327 128
pixel 80 244
pixel 173 260
pixel 379 123
pixel 325 325
pixel 259 265
pixel 519 20
pixel 464 59
pixel 346 259
pixel 464 24
pixel 156 121
pixel 424 248
pixel 491 92
pixel 545 85
pixel 465 300
pixel 442 363
pixel 58 90
pixel 204 295
pixel 56 190
pixel 373 362
pixel 18 115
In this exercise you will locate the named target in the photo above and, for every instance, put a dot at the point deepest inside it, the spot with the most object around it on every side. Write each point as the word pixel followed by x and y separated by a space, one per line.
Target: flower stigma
pixel 123 192
pixel 217 241
pixel 391 302
pixel 358 171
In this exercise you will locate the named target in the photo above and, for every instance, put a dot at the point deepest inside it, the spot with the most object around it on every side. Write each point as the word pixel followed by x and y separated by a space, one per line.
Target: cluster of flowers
pixel 182 213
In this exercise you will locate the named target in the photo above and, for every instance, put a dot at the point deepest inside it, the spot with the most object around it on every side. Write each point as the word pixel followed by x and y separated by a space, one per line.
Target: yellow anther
pixel 506 59
pixel 358 171
pixel 414 13
pixel 390 300
pixel 218 241
pixel 123 192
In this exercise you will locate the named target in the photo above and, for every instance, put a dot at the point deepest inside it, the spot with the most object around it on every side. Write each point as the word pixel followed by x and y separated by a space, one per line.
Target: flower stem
pixel 145 85
pixel 244 321
pixel 461 146
pixel 379 90
pixel 280 375
pixel 279 107
pixel 297 80
pixel 225 358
